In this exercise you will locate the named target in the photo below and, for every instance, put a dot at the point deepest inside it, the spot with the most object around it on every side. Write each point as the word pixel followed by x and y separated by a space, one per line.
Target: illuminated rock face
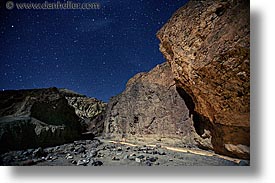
pixel 90 110
pixel 151 106
pixel 207 45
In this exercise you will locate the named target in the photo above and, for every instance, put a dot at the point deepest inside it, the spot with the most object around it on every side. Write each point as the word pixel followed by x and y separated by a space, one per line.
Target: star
pixel 104 47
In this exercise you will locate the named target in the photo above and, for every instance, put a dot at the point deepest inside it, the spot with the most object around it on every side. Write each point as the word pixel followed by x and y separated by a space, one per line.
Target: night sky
pixel 92 52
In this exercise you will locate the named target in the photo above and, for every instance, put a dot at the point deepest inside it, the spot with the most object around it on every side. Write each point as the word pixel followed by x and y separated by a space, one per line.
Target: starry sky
pixel 92 52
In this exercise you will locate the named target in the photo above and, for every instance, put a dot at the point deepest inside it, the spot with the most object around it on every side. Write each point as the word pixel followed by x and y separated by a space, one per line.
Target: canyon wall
pixel 46 117
pixel 207 43
pixel 91 111
pixel 152 107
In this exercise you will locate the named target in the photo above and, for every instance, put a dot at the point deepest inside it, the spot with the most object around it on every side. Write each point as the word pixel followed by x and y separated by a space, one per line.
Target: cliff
pixel 151 107
pixel 90 110
pixel 38 117
pixel 45 117
pixel 206 43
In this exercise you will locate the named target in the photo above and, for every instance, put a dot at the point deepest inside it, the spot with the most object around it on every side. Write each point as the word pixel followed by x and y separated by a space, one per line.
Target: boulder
pixel 207 45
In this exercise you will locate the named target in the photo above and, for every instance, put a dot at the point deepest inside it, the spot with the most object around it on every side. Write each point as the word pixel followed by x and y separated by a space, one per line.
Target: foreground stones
pixel 101 153
pixel 206 43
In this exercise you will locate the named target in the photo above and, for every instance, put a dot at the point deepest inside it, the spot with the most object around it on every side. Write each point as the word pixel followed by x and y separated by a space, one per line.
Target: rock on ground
pixel 108 154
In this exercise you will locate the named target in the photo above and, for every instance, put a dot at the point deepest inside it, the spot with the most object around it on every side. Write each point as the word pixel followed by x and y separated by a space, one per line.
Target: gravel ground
pixel 103 153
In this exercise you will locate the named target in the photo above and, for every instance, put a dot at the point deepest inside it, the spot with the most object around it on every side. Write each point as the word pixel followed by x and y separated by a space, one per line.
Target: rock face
pixel 151 106
pixel 39 117
pixel 206 43
pixel 90 110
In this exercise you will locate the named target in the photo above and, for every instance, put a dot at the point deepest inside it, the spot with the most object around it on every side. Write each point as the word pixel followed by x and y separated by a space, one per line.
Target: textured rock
pixel 86 108
pixel 151 105
pixel 206 43
pixel 91 111
pixel 39 117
